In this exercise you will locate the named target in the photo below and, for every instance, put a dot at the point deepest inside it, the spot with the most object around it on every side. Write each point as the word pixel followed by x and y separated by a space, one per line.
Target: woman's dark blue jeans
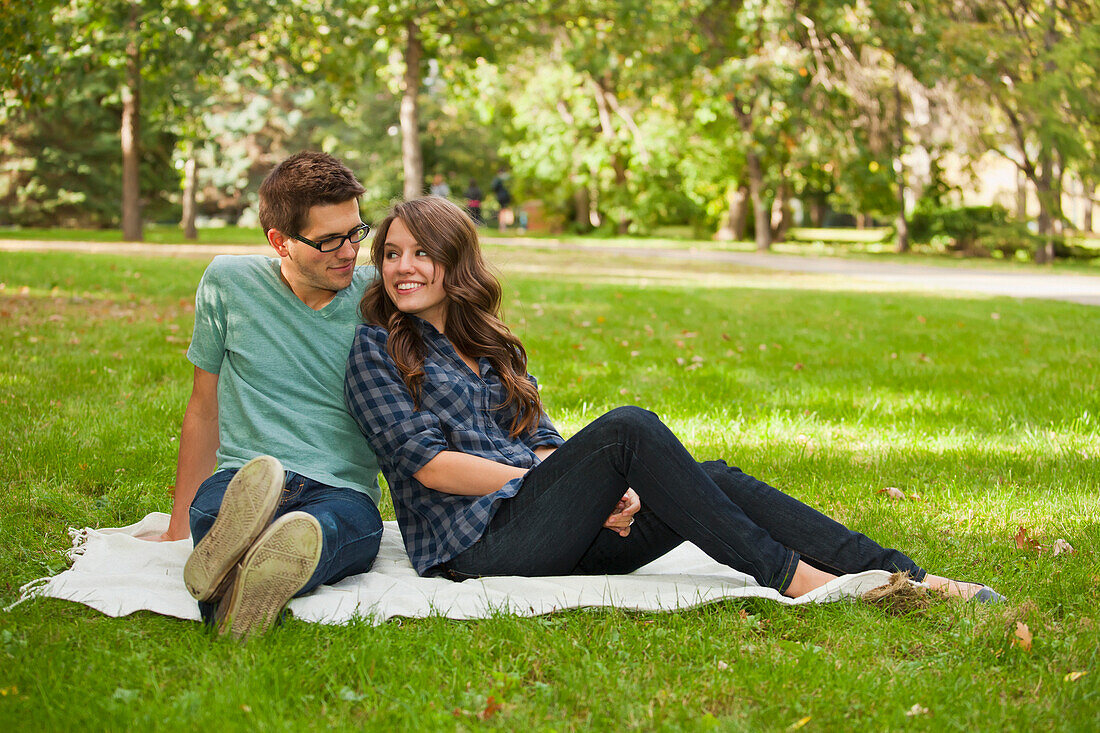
pixel 554 524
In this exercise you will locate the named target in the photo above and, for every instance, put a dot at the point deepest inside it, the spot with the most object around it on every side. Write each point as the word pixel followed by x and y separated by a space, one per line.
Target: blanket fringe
pixel 80 541
pixel 34 588
pixel 28 591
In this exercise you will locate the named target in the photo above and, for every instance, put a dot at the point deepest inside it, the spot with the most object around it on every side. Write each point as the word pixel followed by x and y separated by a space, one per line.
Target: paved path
pixel 1083 289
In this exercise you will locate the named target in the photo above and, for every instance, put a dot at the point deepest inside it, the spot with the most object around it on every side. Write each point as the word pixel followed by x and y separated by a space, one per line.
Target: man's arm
pixel 198 446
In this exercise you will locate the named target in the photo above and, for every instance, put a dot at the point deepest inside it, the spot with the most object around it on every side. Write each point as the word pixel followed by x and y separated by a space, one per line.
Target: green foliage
pixel 973 230
pixel 61 162
pixel 647 110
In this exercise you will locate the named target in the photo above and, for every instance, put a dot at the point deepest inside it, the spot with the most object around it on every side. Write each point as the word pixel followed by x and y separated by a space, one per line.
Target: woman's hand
pixel 623 516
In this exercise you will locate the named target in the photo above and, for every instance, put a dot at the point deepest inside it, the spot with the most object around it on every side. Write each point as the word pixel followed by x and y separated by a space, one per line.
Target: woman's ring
pixel 631 522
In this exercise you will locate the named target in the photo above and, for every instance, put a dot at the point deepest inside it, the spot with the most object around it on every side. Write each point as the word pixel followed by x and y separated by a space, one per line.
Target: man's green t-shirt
pixel 280 367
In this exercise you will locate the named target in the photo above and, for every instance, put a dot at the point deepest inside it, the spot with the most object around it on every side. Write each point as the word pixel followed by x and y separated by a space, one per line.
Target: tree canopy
pixel 619 114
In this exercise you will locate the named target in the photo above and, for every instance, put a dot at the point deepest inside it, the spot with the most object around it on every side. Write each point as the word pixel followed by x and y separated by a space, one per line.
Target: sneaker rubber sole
pixel 248 506
pixel 276 567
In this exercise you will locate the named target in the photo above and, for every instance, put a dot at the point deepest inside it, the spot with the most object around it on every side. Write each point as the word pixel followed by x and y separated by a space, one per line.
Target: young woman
pixel 483 484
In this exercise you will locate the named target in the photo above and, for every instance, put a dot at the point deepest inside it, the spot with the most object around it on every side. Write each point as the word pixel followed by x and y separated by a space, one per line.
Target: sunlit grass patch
pixel 985 408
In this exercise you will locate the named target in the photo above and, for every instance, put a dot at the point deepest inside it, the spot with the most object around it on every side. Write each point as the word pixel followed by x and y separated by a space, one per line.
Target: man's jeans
pixel 351 527
pixel 553 525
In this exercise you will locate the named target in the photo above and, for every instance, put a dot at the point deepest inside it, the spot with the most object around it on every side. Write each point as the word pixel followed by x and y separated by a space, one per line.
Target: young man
pixel 293 503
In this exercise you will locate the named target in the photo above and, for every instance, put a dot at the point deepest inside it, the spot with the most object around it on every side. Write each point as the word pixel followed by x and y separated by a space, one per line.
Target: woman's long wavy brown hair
pixel 473 323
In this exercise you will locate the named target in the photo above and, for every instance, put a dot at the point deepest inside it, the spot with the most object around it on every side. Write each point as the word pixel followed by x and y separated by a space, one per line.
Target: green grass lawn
pixel 154 234
pixel 867 244
pixel 986 408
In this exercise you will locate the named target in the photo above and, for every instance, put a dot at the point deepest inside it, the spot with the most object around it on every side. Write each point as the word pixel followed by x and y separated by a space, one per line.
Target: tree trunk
pixel 623 225
pixel 412 160
pixel 129 132
pixel 1021 195
pixel 190 187
pixel 1058 219
pixel 582 202
pixel 781 214
pixel 1045 251
pixel 733 227
pixel 902 225
pixel 760 208
pixel 1087 193
pixel 1049 197
pixel 817 210
pixel 861 221
pixel 602 93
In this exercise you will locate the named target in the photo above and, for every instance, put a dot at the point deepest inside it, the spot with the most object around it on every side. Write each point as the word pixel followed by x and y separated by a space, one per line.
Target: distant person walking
pixel 473 201
pixel 503 197
pixel 439 186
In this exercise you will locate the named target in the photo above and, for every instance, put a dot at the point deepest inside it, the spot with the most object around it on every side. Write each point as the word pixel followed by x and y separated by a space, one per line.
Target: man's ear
pixel 277 240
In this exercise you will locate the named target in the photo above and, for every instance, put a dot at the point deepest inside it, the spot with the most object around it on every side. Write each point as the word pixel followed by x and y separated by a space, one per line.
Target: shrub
pixel 978 231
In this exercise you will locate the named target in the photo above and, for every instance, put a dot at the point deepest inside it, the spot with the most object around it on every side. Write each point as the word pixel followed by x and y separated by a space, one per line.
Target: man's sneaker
pixel 276 567
pixel 250 501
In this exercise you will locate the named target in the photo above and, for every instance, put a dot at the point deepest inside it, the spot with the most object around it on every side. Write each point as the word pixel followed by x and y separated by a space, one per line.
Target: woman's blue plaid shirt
pixel 456 413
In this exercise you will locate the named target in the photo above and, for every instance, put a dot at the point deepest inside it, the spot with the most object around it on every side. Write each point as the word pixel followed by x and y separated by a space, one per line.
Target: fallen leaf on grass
pixel 1030 544
pixel 1074 676
pixel 1023 636
pixel 893 492
pixel 801 722
pixel 1023 542
pixel 346 693
pixel 491 709
pixel 1060 546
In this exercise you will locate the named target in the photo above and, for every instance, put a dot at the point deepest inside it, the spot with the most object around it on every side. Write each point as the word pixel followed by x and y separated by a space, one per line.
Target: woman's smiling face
pixel 412 280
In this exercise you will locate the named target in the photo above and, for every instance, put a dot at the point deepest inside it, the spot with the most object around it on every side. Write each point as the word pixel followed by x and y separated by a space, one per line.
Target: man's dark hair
pixel 299 183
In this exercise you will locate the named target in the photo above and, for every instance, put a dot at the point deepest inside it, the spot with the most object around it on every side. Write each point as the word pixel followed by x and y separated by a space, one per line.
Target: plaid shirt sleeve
pixel 545 434
pixel 403 438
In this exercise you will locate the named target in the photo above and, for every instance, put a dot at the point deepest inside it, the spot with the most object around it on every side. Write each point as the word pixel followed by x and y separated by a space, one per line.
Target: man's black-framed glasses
pixel 331 244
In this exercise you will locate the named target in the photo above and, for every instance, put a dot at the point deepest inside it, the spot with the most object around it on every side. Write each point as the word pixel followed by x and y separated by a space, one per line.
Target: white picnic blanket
pixel 117 573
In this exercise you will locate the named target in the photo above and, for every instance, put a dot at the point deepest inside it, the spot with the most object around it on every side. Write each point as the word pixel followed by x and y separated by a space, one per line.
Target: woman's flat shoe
pixel 988 595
